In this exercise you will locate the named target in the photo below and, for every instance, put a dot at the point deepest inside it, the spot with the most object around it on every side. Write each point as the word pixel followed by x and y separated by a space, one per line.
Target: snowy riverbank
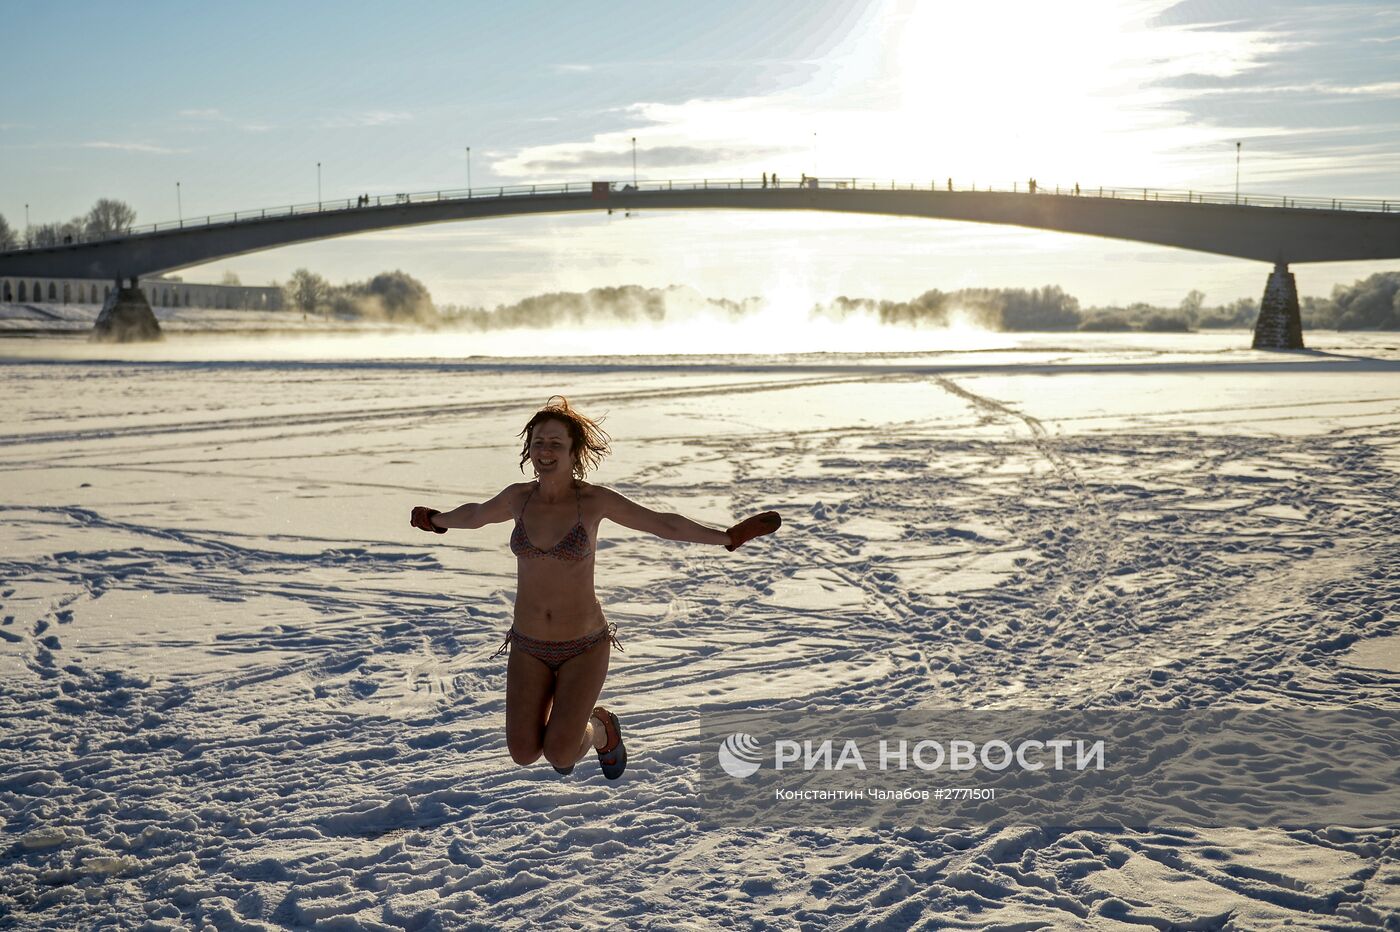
pixel 238 689
pixel 40 320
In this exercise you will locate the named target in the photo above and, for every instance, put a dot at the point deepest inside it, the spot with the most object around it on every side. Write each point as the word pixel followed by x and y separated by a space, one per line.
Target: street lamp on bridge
pixel 469 169
pixel 1237 170
pixel 318 185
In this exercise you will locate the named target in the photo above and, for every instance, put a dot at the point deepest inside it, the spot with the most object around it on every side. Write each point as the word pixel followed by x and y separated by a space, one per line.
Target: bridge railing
pixel 1118 192
pixel 585 189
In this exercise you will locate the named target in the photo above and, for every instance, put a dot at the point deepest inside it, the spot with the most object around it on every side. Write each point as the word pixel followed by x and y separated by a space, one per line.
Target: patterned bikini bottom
pixel 555 654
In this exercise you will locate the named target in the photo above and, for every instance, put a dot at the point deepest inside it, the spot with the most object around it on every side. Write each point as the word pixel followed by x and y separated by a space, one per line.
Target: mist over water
pixel 775 328
pixel 607 326
pixel 631 322
pixel 815 342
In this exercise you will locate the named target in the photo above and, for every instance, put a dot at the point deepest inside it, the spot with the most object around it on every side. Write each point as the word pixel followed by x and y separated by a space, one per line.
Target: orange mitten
pixel 422 519
pixel 749 528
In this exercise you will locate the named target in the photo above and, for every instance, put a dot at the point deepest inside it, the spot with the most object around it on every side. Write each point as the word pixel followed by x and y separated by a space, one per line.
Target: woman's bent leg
pixel 529 690
pixel 580 680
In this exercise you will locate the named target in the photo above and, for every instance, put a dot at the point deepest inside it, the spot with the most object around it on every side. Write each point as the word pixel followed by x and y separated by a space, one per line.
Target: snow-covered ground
pixel 240 692
pixel 49 318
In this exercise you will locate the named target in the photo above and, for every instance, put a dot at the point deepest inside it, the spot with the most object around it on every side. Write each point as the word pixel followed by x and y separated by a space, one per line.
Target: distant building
pixel 160 292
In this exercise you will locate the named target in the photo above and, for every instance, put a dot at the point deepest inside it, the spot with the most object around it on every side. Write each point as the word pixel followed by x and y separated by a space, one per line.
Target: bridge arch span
pixel 1282 233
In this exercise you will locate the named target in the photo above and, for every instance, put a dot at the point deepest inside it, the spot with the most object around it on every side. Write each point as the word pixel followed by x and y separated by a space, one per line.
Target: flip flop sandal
pixel 613 757
pixel 565 770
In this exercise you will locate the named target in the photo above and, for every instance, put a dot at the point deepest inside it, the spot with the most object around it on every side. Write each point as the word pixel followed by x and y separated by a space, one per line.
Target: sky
pixel 239 102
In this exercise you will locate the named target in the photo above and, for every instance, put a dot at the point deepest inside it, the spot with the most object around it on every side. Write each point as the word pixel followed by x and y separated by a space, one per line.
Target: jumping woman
pixel 559 640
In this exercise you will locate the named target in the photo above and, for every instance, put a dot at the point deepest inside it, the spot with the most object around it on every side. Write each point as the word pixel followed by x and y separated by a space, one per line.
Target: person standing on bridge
pixel 560 641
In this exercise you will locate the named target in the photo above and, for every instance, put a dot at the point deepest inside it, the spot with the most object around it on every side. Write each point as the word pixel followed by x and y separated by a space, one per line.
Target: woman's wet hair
pixel 590 441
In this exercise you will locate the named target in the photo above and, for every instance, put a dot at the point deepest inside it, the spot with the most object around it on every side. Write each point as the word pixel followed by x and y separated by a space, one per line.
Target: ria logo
pixel 739 755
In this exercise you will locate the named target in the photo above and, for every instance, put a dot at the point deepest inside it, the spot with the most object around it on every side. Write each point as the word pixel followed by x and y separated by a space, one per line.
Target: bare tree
pixel 401 296
pixel 7 236
pixel 307 291
pixel 109 216
pixel 1193 302
pixel 45 234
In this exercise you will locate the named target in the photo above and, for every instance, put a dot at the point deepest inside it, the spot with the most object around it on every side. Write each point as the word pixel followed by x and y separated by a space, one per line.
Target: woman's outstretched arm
pixel 628 513
pixel 472 514
pixel 669 526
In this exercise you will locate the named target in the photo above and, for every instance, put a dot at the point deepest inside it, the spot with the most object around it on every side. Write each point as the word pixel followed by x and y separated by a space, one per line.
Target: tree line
pixel 1368 304
pixel 1371 303
pixel 399 297
pixel 108 215
pixel 623 304
pixel 390 296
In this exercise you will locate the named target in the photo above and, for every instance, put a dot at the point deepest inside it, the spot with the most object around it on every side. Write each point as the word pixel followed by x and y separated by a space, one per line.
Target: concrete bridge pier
pixel 126 317
pixel 1280 323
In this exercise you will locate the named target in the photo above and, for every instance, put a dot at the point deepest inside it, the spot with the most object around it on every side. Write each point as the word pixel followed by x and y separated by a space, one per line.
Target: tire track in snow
pixel 1095 552
pixel 363 416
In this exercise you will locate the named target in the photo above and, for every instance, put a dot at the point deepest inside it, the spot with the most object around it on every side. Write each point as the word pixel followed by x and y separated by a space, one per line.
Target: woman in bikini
pixel 560 641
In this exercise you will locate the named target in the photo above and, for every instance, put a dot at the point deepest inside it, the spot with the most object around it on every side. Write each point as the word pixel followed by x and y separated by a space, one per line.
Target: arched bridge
pixel 1277 230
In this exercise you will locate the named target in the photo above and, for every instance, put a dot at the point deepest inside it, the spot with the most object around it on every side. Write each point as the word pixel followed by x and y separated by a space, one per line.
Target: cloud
pixel 366 118
pixel 717 137
pixel 572 69
pixel 1144 93
pixel 213 115
pixel 131 147
pixel 1384 90
pixel 930 91
pixel 653 157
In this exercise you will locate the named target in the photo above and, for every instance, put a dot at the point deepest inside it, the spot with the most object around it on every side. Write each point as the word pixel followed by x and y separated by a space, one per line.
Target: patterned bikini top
pixel 572 546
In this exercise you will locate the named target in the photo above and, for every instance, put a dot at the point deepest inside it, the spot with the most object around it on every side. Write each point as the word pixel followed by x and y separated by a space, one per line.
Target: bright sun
pixel 1009 90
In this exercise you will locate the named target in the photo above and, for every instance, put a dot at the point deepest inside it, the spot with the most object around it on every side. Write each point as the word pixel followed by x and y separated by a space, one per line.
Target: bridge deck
pixel 1270 229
